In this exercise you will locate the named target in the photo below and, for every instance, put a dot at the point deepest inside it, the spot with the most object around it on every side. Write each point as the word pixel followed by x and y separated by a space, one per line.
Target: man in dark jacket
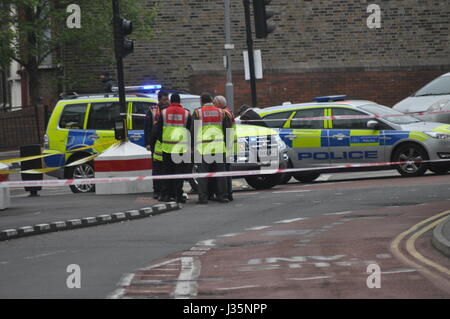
pixel 151 142
pixel 249 116
pixel 107 81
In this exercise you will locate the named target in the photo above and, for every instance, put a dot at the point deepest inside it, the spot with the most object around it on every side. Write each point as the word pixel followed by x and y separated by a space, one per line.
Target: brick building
pixel 320 47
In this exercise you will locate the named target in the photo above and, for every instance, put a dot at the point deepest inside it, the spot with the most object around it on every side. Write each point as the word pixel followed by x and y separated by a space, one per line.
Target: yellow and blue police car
pixel 361 132
pixel 79 121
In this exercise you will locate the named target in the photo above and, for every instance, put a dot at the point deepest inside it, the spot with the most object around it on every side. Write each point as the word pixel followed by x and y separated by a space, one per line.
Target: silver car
pixel 435 96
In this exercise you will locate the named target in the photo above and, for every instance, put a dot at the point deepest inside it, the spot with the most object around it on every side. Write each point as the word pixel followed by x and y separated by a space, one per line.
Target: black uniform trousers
pixel 172 187
pixel 217 185
pixel 158 169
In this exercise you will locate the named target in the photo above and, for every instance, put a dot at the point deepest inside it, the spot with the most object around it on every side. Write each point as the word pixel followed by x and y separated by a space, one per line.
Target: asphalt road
pixel 36 267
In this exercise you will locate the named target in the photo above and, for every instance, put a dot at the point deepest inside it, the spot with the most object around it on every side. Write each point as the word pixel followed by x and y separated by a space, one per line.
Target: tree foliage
pixel 31 30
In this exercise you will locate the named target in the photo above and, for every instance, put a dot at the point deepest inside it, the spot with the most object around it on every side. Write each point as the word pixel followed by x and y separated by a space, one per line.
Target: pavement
pixel 441 237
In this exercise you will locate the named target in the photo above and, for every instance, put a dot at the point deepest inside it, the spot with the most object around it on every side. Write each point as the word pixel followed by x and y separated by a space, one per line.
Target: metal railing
pixel 22 126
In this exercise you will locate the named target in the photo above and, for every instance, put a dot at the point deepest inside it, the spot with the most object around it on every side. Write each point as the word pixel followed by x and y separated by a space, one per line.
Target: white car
pixel 435 96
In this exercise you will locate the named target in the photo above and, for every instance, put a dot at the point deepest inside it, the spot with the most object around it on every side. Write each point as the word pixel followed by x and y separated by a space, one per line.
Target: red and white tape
pixel 68 182
pixel 341 117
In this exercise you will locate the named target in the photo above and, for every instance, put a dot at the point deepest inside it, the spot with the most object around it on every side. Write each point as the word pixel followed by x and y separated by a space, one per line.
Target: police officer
pixel 152 143
pixel 221 102
pixel 208 132
pixel 172 130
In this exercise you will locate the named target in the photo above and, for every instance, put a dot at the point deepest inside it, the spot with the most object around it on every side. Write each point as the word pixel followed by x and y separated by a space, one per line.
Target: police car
pixel 78 121
pixel 317 143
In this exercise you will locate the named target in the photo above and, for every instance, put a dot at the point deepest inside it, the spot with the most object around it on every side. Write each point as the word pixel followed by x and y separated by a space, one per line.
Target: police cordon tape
pixel 337 117
pixel 30 158
pixel 68 182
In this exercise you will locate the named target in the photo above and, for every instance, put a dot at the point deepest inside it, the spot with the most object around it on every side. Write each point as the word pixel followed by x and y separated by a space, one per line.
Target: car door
pixel 137 110
pixel 307 138
pixel 350 141
pixel 100 126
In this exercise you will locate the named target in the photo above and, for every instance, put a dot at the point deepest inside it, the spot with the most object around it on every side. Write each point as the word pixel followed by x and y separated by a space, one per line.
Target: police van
pixel 79 121
pixel 361 132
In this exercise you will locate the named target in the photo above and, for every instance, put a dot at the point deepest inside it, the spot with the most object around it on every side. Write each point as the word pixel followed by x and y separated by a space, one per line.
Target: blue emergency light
pixel 151 87
pixel 330 98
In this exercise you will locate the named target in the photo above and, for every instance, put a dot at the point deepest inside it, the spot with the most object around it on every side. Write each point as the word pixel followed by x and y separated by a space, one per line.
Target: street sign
pixel 258 65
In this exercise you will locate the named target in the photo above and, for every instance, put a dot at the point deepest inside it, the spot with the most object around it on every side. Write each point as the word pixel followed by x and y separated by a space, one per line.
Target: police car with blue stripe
pixel 334 130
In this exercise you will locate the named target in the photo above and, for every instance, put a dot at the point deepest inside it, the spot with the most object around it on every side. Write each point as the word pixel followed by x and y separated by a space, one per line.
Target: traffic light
pixel 124 28
pixel 262 14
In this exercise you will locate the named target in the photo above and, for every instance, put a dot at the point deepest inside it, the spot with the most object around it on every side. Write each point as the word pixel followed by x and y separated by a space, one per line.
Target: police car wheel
pixel 412 155
pixel 286 177
pixel 85 170
pixel 263 181
pixel 306 177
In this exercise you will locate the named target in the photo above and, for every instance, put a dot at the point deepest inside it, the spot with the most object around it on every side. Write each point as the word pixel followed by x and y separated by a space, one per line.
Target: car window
pixel 139 110
pixel 103 115
pixel 399 117
pixel 349 124
pixel 308 124
pixel 72 116
pixel 282 117
pixel 191 104
pixel 439 86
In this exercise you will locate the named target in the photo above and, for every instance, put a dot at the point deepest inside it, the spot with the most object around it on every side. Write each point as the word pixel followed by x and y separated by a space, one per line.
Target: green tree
pixel 32 30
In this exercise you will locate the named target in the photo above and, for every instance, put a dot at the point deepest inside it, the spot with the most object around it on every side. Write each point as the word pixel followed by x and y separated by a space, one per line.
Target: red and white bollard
pixel 124 160
pixel 5 200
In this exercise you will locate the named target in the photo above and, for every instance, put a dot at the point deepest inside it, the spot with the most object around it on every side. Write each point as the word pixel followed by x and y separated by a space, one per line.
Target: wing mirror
pixel 373 125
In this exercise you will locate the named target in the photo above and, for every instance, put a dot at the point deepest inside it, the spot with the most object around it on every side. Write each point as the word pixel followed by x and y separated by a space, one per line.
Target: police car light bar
pixel 140 88
pixel 331 98
pixel 152 87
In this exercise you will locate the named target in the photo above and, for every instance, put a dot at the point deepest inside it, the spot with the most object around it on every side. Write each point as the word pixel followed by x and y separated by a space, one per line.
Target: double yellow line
pixel 416 231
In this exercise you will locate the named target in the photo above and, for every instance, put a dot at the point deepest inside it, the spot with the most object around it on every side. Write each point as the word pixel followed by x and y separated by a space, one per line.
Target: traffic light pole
pixel 119 59
pixel 251 57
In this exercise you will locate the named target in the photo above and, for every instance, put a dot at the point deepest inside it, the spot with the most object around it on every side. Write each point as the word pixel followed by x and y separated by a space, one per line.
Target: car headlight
pixel 281 144
pixel 438 135
pixel 439 105
pixel 242 145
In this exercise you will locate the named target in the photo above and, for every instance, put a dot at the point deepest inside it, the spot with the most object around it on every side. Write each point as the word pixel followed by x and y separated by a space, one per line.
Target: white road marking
pixel 257 228
pixel 340 213
pixel 323 178
pixel 286 221
pixel 384 256
pixel 311 278
pixel 235 288
pixel 208 242
pixel 125 281
pixel 44 255
pixel 230 235
pixel 295 191
pixel 116 294
pixel 187 285
pixel 194 253
pixel 321 265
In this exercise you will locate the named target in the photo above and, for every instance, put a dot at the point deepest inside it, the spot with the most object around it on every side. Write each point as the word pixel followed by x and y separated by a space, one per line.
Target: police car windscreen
pixel 191 103
pixel 384 110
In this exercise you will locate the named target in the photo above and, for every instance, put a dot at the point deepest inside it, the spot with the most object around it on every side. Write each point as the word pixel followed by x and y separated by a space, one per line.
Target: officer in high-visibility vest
pixel 221 102
pixel 208 132
pixel 153 144
pixel 172 130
